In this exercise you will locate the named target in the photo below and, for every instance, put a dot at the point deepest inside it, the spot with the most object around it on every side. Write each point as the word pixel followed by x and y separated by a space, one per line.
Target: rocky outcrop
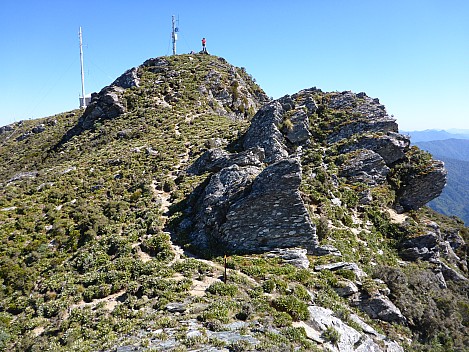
pixel 419 189
pixel 6 128
pixel 433 247
pixel 247 210
pixel 422 247
pixel 370 115
pixel 336 335
pixel 128 80
pixel 378 306
pixel 214 160
pixel 268 211
pixel 105 104
pixel 272 215
pixel 366 167
pixel 264 132
pixel 224 188
pixel 298 133
pixel 390 146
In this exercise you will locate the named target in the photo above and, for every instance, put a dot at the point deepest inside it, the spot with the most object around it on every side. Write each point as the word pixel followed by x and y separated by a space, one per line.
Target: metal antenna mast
pixel 82 100
pixel 174 35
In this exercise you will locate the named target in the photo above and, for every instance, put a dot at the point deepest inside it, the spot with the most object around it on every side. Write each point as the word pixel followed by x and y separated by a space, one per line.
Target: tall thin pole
pixel 82 101
pixel 174 36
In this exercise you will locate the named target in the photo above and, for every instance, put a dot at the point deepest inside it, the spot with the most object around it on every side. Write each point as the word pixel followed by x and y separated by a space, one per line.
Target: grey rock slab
pixel 294 256
pixel 378 306
pixel 359 273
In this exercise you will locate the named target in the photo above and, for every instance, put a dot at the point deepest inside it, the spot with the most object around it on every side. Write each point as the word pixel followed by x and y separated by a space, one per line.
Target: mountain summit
pixel 185 210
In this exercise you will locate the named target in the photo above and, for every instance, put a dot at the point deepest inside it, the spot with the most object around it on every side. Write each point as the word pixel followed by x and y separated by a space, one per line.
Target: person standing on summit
pixel 204 49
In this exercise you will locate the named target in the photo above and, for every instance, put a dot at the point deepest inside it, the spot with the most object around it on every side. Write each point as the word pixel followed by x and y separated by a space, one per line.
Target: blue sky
pixel 411 54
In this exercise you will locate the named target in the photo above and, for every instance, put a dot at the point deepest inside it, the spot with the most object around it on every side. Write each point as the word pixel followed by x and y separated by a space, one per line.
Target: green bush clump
pixel 191 266
pixel 331 335
pixel 296 308
pixel 219 310
pixel 274 284
pixel 159 246
pixel 282 319
pixel 222 289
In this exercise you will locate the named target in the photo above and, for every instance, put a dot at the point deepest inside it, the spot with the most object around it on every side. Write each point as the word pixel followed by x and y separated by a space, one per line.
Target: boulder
pixel 326 249
pixel 24 136
pixel 39 128
pixel 378 306
pixel 349 340
pixel 176 307
pixel 422 247
pixel 345 288
pixel 452 274
pixel 359 273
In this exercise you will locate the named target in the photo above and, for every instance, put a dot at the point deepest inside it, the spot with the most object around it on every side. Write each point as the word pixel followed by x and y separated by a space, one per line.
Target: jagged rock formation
pixel 277 137
pixel 272 214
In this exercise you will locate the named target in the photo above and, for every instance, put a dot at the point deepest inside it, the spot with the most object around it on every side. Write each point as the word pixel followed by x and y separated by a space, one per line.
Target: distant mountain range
pixel 436 135
pixel 452 147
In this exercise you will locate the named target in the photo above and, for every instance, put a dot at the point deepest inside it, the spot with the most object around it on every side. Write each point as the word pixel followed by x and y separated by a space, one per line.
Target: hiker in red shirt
pixel 204 49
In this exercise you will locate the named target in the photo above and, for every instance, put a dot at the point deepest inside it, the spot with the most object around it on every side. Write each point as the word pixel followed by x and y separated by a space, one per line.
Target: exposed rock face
pixel 422 247
pixel 374 117
pixel 299 132
pixel 432 247
pixel 265 134
pixel 214 160
pixel 224 188
pixel 252 215
pixel 128 80
pixel 349 339
pixel 272 215
pixel 391 146
pixel 367 167
pixel 422 188
pixel 378 306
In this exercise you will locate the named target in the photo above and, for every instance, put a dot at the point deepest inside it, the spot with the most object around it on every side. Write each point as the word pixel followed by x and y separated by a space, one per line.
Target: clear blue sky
pixel 411 54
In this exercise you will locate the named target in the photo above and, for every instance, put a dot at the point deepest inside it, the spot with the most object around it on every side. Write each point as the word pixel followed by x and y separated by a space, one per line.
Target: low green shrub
pixel 222 289
pixel 297 309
